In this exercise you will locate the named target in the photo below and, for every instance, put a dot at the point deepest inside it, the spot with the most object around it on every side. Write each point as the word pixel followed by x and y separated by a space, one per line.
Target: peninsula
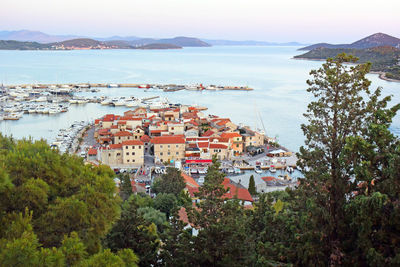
pixel 80 44
pixel 382 50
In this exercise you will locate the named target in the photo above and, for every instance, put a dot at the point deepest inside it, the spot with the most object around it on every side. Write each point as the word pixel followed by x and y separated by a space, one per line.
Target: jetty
pixel 145 86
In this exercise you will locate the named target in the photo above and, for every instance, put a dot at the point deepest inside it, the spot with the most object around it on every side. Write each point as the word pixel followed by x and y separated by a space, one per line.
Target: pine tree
pixel 252 186
pixel 342 107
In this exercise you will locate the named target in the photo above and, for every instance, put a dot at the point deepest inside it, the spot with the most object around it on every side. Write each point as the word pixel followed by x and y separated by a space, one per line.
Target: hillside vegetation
pixel 383 59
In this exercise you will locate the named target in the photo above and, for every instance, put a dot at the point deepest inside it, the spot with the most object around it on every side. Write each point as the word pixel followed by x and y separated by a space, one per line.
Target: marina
pixel 278 97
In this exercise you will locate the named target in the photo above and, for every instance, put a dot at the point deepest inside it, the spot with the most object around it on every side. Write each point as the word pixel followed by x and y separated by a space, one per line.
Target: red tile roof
pixel 168 140
pixel 115 146
pixel 132 143
pixel 104 132
pixel 218 146
pixel 202 144
pixel 208 133
pixel 121 122
pixel 145 138
pixel 190 182
pixel 230 135
pixel 92 152
pixel 236 192
pixel 123 133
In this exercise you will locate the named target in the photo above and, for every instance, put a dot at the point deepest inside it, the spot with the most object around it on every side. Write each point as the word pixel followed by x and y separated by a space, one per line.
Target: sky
pixel 307 21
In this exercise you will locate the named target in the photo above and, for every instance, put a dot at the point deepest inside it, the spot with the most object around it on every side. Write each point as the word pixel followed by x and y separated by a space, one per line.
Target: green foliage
pixel 64 194
pixel 73 249
pixel 170 183
pixel 252 186
pixel 382 58
pixel 135 232
pixel 152 215
pixel 222 225
pixel 125 187
pixel 165 203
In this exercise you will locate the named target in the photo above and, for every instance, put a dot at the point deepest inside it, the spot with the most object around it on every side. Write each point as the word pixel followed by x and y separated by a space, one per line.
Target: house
pixel 92 154
pixel 237 191
pixel 251 138
pixel 236 142
pixel 111 155
pixel 168 148
pixel 175 128
pixel 138 133
pixel 220 150
pixel 133 152
pixel 122 136
pixel 127 153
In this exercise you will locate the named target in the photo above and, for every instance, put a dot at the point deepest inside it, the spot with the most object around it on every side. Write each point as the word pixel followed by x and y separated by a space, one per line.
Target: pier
pixel 145 86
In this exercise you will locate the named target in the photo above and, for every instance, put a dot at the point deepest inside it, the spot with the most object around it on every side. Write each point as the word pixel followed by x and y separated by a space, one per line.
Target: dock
pixel 145 86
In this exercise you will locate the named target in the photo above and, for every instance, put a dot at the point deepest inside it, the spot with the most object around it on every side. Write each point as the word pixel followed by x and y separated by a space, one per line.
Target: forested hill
pixel 384 59
pixel 374 40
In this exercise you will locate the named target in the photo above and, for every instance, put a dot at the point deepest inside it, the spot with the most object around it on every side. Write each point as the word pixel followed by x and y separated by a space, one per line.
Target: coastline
pixel 381 74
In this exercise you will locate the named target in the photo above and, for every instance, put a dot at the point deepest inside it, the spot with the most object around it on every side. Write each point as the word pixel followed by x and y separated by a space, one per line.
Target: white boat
pixel 41 99
pixel 106 102
pixel 13 116
pixel 272 169
pixel 120 102
pixel 113 85
pixel 258 169
pixel 73 101
pixel 82 101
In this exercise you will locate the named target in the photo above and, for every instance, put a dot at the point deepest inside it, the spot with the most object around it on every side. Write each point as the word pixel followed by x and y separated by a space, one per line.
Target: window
pixel 118 154
pixel 133 160
pixel 177 153
pixel 135 136
pixel 127 160
pixel 160 146
pixel 176 146
pixel 140 147
pixel 237 145
pixel 109 154
pixel 127 153
pixel 133 147
pixel 161 153
pixel 169 146
pixel 172 128
pixel 133 153
pixel 119 137
pixel 169 153
pixel 126 147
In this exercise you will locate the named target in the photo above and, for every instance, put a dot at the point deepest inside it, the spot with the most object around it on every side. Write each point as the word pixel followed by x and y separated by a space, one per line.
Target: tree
pixel 135 232
pixel 64 194
pixel 374 211
pixel 165 203
pixel 177 244
pixel 222 225
pixel 342 108
pixel 125 187
pixel 170 183
pixel 252 186
pixel 152 215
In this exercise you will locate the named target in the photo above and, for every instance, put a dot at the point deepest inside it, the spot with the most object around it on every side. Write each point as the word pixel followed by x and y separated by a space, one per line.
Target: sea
pixel 276 104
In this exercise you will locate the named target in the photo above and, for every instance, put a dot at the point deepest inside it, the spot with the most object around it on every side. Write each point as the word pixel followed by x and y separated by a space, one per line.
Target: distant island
pixel 382 50
pixel 44 38
pixel 81 44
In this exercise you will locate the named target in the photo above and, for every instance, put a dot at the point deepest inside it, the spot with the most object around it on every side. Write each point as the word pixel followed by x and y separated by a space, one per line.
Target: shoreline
pixel 381 74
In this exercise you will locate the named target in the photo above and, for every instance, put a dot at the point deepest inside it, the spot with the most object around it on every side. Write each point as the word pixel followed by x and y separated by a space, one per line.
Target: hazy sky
pixel 280 20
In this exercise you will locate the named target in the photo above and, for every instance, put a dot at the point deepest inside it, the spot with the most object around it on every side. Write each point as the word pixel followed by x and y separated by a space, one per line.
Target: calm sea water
pixel 278 101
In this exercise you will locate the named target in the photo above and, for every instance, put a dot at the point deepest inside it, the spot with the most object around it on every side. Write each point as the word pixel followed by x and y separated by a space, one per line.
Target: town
pixel 144 141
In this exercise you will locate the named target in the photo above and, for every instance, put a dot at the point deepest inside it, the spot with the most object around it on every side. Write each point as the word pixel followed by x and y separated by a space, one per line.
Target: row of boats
pixel 136 102
pixel 66 139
